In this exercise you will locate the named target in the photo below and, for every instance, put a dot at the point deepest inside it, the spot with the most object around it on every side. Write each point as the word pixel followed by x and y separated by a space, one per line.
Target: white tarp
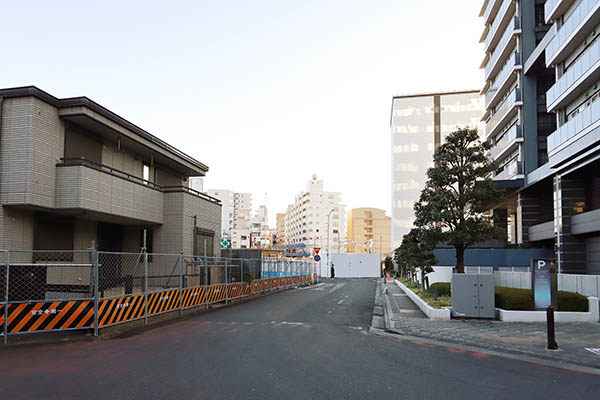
pixel 350 265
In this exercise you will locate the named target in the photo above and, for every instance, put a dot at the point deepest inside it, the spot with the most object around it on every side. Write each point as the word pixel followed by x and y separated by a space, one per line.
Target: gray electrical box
pixel 473 296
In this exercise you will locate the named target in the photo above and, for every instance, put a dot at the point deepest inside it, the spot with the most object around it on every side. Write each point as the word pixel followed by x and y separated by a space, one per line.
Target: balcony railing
pixel 185 189
pixel 552 7
pixel 511 171
pixel 587 61
pixel 501 47
pixel 574 126
pixel 488 10
pixel 509 103
pixel 507 141
pixel 500 80
pixel 109 170
pixel 121 174
pixel 570 27
pixel 500 17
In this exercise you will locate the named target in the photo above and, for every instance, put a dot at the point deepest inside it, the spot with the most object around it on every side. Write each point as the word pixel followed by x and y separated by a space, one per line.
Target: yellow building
pixel 369 231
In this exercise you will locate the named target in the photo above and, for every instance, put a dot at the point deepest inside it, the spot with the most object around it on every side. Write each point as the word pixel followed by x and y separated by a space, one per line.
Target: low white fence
pixel 587 285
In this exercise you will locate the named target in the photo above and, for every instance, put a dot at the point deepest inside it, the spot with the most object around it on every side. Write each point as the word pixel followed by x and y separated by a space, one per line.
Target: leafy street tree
pixel 458 193
pixel 416 250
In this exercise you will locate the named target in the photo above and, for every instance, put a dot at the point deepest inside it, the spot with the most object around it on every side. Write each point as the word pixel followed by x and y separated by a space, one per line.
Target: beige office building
pixel 369 231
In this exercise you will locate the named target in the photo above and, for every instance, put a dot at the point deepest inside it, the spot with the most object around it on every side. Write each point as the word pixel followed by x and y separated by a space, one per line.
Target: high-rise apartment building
pixel 235 213
pixel 419 124
pixel 552 123
pixel 369 231
pixel 280 228
pixel 542 66
pixel 316 219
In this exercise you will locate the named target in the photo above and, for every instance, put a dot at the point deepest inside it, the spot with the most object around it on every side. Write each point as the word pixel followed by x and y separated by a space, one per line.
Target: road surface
pixel 306 343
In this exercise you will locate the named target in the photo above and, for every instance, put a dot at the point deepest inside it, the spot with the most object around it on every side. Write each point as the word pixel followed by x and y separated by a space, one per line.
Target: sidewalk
pixel 520 338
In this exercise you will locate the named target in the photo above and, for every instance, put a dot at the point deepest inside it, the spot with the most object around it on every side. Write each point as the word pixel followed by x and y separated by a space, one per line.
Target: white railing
pixel 587 285
pixel 508 33
pixel 500 79
pixel 588 59
pixel 509 102
pixel 574 126
pixel 507 140
pixel 496 23
pixel 571 25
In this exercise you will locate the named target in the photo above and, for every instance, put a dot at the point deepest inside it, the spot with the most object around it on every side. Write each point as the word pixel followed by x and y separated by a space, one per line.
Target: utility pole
pixel 328 215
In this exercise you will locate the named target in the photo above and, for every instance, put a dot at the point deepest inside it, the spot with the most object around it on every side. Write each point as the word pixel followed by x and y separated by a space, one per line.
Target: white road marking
pixel 356 327
pixel 593 350
pixel 337 286
pixel 341 301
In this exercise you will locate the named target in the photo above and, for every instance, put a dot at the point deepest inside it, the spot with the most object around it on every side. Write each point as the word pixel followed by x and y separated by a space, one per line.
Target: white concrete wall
pixel 352 265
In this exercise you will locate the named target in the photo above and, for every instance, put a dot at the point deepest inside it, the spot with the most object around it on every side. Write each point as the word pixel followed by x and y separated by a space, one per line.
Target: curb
pixel 512 356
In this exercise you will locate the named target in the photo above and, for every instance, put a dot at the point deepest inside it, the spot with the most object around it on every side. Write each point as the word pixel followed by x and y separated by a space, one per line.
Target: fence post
pixel 226 280
pixel 205 275
pixel 181 286
pixel 95 268
pixel 145 287
pixel 5 328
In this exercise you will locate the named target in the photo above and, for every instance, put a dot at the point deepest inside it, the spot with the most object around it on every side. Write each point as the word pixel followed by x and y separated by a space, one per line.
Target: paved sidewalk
pixel 509 337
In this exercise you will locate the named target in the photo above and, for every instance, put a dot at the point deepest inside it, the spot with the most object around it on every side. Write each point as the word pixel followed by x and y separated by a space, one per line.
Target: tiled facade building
pixel 72 172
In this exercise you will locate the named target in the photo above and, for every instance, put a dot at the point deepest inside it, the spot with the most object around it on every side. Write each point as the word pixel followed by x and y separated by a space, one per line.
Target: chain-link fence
pixel 43 291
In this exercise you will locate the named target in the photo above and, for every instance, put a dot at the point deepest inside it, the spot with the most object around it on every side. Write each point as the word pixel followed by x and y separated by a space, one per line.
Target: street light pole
pixel 327 268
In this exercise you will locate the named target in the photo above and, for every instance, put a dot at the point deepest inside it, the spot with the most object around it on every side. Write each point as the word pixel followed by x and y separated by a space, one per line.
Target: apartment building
pixel 235 210
pixel 369 231
pixel 419 124
pixel 280 228
pixel 316 219
pixel 73 173
pixel 554 200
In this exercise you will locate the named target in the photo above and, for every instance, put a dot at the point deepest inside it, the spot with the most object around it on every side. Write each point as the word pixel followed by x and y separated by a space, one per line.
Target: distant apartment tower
pixel 550 113
pixel 369 231
pixel 419 124
pixel 280 228
pixel 316 219
pixel 235 213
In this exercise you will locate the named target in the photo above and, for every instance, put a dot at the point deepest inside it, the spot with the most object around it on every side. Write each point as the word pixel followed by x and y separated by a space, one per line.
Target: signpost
pixel 544 282
pixel 545 294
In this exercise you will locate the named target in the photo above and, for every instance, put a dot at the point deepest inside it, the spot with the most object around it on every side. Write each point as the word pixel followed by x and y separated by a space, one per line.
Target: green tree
pixel 458 194
pixel 416 250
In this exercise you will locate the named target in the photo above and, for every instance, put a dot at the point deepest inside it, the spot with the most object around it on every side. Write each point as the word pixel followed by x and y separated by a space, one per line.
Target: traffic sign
pixel 317 257
pixel 317 249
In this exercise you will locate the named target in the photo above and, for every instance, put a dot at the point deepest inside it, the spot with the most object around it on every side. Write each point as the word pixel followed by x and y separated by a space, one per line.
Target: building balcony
pixel 503 16
pixel 514 170
pixel 543 231
pixel 505 45
pixel 576 80
pixel 555 8
pixel 584 18
pixel 577 127
pixel 85 185
pixel 506 111
pixel 587 222
pixel 505 78
pixel 509 141
pixel 491 10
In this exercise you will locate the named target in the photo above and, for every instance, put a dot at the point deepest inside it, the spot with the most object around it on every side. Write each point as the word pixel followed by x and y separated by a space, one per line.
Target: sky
pixel 266 93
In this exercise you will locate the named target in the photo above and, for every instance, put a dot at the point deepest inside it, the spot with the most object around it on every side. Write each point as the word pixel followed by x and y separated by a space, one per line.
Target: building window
pixel 51 233
pixel 540 19
pixel 146 173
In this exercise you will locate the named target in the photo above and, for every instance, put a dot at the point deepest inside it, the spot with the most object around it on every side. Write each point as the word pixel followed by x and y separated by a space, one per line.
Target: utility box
pixel 473 296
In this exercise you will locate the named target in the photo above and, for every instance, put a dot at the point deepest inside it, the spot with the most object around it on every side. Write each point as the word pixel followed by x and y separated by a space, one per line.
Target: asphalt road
pixel 310 343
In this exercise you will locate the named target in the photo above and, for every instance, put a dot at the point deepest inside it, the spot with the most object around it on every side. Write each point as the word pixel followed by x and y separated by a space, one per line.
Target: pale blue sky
pixel 265 93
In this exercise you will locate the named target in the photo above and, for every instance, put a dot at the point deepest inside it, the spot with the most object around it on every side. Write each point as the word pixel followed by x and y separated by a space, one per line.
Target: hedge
pixel 522 299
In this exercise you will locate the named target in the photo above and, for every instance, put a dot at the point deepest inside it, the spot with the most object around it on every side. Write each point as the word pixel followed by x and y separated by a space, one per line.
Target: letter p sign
pixel 541 264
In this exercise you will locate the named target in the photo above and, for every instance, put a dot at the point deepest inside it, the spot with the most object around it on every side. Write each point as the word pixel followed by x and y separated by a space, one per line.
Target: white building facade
pixel 235 215
pixel 316 219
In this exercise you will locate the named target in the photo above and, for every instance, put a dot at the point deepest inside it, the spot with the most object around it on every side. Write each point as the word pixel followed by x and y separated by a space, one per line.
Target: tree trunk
pixel 460 260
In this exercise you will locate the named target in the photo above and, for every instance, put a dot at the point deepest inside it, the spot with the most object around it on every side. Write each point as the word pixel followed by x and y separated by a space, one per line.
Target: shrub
pixel 513 299
pixel 568 301
pixel 443 288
